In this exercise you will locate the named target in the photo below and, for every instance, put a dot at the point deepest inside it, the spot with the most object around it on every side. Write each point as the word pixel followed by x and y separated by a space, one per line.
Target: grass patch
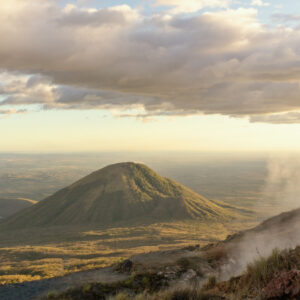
pixel 262 270
pixel 211 283
pixel 26 254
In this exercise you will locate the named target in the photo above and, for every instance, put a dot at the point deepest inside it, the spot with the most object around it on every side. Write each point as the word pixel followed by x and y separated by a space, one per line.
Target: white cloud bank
pixel 259 3
pixel 190 6
pixel 7 112
pixel 222 62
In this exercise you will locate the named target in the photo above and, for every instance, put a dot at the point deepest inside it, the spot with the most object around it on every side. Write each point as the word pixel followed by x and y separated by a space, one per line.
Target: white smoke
pixel 260 244
pixel 282 185
pixel 282 189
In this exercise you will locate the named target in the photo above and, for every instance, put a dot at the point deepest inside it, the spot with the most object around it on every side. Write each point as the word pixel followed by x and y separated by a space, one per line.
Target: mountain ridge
pixel 120 192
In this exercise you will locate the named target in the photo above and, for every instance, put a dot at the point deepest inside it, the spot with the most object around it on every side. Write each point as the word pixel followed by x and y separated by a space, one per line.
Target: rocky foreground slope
pixel 192 273
pixel 274 278
pixel 261 263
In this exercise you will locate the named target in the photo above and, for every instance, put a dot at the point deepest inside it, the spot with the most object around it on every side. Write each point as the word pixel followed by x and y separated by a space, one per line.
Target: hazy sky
pixel 204 75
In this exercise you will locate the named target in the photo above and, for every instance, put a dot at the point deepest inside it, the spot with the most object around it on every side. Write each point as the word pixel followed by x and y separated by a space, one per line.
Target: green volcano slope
pixel 120 193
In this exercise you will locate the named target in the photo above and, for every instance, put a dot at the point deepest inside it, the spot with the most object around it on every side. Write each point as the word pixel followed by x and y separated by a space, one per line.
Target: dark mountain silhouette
pixel 10 206
pixel 124 192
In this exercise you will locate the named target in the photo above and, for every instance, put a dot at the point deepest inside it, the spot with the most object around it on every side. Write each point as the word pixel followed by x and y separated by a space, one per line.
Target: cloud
pixel 218 62
pixel 149 115
pixel 111 16
pixel 190 6
pixel 9 112
pixel 285 118
pixel 285 18
pixel 16 89
pixel 259 3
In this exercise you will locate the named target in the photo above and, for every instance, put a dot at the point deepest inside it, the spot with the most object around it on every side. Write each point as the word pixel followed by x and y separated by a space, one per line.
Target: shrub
pixel 211 283
pixel 185 294
pixel 216 254
pixel 122 296
pixel 260 274
pixel 262 270
pixel 184 263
